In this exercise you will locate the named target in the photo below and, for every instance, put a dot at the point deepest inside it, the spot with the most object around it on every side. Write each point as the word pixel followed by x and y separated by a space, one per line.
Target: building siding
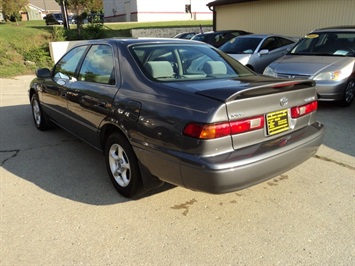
pixel 287 17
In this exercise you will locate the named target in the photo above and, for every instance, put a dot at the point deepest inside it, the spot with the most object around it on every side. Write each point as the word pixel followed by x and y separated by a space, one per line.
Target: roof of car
pixel 128 41
pixel 336 28
pixel 220 31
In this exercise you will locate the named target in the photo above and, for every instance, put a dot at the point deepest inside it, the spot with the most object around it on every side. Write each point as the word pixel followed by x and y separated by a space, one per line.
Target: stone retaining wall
pixel 165 32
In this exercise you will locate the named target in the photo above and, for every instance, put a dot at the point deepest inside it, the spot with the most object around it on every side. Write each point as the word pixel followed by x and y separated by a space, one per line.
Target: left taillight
pixel 213 131
pixel 302 110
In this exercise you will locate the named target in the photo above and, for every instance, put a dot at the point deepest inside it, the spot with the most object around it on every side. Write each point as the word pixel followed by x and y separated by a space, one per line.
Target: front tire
pixel 122 166
pixel 349 94
pixel 37 114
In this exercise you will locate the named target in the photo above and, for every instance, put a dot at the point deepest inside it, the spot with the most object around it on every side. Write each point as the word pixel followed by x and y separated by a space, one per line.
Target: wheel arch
pixel 31 92
pixel 107 130
pixel 149 180
pixel 250 66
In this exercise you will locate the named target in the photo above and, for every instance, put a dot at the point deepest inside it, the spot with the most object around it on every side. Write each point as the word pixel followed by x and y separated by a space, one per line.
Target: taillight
pixel 302 110
pixel 241 126
pixel 213 131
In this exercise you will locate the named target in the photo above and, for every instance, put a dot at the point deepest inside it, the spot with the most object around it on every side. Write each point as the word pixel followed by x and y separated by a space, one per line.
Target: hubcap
pixel 350 91
pixel 36 112
pixel 119 165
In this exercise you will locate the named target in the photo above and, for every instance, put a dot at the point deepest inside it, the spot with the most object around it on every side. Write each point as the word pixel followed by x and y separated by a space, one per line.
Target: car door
pixel 53 95
pixel 90 97
pixel 269 51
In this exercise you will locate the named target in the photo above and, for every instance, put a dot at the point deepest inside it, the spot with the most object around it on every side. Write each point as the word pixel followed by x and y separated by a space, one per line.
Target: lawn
pixel 24 46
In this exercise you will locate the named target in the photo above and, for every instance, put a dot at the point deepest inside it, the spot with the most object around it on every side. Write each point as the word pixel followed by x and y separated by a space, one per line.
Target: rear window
pixel 179 62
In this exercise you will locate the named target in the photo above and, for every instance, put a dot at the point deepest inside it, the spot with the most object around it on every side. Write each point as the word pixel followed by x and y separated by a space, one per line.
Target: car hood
pixel 225 90
pixel 309 65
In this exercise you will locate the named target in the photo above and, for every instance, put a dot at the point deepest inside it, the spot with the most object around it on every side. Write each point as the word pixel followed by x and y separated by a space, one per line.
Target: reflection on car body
pixel 326 56
pixel 176 111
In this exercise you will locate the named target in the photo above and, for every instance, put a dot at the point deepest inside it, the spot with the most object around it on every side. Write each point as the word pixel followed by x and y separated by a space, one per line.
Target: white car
pixel 257 51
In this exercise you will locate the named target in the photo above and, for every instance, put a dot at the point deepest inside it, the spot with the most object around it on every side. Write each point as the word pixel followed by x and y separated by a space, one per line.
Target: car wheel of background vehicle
pixel 349 94
pixel 37 113
pixel 122 166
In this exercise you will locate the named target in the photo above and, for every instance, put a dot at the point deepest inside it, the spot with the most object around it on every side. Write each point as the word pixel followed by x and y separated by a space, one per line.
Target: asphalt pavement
pixel 58 206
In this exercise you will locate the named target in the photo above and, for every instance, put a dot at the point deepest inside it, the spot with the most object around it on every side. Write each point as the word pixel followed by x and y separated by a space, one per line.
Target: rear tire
pixel 122 166
pixel 37 114
pixel 349 94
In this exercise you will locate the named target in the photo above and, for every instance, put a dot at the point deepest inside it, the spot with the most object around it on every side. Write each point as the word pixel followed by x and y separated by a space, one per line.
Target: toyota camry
pixel 177 111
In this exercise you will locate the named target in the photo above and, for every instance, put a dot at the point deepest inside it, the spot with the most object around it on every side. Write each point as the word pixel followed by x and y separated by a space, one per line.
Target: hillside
pixel 24 47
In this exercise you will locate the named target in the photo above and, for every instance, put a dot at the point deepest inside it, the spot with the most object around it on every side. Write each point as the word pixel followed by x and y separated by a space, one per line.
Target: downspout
pixel 214 17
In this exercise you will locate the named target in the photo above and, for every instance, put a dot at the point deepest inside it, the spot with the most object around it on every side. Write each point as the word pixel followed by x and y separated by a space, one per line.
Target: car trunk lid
pixel 272 100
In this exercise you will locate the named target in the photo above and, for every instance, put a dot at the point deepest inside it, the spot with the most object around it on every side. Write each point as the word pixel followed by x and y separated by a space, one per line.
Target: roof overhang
pixel 227 2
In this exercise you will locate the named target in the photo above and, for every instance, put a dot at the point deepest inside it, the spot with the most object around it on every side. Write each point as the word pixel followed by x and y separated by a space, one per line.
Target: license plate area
pixel 277 122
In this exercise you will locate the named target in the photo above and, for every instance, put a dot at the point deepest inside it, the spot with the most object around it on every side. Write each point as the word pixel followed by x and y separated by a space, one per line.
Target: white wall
pixel 156 10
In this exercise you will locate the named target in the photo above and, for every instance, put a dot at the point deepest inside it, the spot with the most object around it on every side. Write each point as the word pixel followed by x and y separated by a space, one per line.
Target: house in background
pixel 156 10
pixel 287 17
pixel 37 9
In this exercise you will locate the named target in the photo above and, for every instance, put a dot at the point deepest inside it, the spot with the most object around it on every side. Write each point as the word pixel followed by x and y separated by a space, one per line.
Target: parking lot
pixel 58 206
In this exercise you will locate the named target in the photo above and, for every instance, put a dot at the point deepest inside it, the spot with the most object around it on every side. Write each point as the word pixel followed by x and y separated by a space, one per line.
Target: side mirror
pixel 264 51
pixel 43 73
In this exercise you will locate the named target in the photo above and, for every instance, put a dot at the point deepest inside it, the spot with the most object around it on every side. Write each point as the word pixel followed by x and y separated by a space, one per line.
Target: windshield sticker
pixel 312 36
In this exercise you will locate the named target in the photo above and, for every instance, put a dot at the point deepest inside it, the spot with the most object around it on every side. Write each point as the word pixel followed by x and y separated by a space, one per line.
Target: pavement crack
pixel 15 153
pixel 326 159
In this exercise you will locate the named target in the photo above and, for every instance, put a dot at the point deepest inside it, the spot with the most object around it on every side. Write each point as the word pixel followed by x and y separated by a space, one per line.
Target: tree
pixel 13 8
pixel 97 6
pixel 81 9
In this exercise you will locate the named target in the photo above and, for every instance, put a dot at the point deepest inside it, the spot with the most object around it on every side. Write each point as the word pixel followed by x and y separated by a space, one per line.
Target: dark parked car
pixel 257 51
pixel 177 111
pixel 326 56
pixel 218 38
pixel 57 19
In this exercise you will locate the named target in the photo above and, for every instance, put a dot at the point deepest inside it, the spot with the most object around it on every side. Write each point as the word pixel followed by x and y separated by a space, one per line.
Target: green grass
pixel 24 47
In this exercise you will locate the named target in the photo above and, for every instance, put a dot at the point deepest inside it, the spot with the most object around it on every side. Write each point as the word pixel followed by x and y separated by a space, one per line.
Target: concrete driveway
pixel 58 206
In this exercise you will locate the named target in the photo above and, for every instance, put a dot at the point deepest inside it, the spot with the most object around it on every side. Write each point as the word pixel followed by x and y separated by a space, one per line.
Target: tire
pixel 122 166
pixel 37 114
pixel 349 94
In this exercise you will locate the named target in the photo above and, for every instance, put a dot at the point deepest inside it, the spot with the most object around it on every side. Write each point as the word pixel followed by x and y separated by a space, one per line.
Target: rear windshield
pixel 326 43
pixel 178 62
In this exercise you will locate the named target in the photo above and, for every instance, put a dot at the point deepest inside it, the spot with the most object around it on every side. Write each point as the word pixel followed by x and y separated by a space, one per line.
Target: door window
pixel 67 66
pixel 98 65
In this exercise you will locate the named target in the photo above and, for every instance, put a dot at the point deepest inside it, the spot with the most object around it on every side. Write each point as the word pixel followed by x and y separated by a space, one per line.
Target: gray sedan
pixel 257 51
pixel 176 111
pixel 326 56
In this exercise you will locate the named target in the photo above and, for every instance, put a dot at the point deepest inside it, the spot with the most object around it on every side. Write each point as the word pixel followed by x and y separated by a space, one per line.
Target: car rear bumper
pixel 249 166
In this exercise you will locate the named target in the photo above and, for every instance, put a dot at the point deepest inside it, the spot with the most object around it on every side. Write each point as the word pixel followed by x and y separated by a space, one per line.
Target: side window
pixel 66 67
pixel 270 44
pixel 284 41
pixel 219 39
pixel 98 65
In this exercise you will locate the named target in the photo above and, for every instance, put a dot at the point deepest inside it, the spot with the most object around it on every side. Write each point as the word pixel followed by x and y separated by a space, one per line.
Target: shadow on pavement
pixel 55 161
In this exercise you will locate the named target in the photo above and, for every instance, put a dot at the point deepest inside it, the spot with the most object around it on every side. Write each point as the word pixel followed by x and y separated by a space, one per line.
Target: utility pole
pixel 65 15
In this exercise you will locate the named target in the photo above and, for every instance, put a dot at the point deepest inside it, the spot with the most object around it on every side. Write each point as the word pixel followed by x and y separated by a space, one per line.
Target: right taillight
pixel 302 110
